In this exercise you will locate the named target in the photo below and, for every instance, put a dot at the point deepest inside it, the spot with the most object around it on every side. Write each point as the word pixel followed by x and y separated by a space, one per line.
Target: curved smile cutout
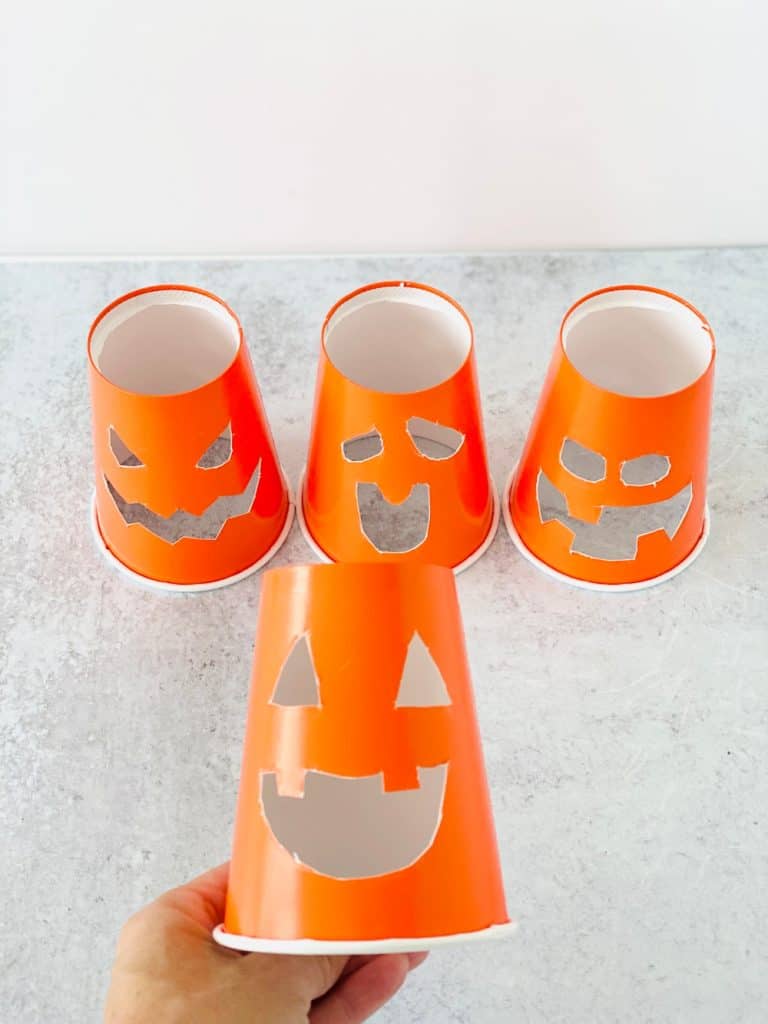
pixel 181 525
pixel 614 537
pixel 349 827
pixel 390 527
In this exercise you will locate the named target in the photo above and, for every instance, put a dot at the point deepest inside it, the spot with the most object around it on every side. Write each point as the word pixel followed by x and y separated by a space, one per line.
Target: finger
pixel 308 977
pixel 203 898
pixel 213 881
pixel 362 992
pixel 356 962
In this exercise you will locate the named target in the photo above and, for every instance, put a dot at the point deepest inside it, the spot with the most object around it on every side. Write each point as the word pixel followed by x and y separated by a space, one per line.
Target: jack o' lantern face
pixel 188 488
pixel 399 527
pixel 180 523
pixel 397 461
pixel 333 824
pixel 614 535
pixel 363 810
pixel 611 485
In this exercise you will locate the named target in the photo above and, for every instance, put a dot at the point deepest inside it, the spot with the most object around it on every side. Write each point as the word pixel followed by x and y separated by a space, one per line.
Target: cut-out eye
pixel 422 685
pixel 122 452
pixel 582 462
pixel 433 440
pixel 219 452
pixel 363 446
pixel 644 470
pixel 297 684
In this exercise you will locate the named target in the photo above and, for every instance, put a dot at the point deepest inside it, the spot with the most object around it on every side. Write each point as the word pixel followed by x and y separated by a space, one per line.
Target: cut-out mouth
pixel 389 527
pixel 183 525
pixel 614 537
pixel 346 827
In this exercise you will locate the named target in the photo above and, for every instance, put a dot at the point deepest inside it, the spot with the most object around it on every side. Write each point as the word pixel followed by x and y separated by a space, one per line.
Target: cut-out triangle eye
pixel 422 685
pixel 297 684
pixel 219 452
pixel 122 452
pixel 433 440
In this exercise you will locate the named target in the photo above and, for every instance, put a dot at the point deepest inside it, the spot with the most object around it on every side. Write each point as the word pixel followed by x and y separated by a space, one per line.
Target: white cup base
pixel 353 947
pixel 188 588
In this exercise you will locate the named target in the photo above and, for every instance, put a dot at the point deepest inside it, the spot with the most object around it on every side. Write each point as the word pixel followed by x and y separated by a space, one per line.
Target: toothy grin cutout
pixel 614 536
pixel 182 524
pixel 338 826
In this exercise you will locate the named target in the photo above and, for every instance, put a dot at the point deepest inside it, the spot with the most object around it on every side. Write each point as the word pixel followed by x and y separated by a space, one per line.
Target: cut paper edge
pixel 328 832
pixel 575 581
pixel 189 588
pixel 418 505
pixel 225 435
pixel 297 684
pixel 351 947
pixel 470 560
pixel 421 682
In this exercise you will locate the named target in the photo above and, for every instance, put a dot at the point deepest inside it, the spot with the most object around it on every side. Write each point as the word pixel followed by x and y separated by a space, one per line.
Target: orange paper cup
pixel 397 469
pixel 610 491
pixel 363 822
pixel 189 492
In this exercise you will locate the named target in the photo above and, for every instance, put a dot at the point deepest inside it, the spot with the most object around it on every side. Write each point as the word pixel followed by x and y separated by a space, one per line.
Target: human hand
pixel 169 970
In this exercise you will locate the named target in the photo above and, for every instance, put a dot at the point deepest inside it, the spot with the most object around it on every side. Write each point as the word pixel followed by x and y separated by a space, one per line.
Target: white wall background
pixel 174 126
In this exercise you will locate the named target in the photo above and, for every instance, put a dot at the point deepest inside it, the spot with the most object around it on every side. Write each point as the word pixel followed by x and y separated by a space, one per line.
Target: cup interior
pixel 398 339
pixel 165 342
pixel 637 343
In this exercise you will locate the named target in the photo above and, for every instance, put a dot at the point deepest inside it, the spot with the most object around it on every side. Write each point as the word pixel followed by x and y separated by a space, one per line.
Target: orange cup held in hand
pixel 363 822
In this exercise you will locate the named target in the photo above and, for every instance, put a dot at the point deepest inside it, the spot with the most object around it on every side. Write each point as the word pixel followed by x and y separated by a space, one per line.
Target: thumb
pixel 303 978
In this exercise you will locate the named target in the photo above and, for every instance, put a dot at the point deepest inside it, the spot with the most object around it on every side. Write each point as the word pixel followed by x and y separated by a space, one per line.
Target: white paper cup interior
pixel 637 343
pixel 165 342
pixel 398 339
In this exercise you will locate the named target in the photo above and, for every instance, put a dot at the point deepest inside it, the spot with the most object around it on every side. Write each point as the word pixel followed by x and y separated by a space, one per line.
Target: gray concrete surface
pixel 626 736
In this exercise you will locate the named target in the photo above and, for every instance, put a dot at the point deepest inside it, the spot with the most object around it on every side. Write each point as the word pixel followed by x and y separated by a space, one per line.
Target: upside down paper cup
pixel 189 493
pixel 397 469
pixel 363 821
pixel 610 491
